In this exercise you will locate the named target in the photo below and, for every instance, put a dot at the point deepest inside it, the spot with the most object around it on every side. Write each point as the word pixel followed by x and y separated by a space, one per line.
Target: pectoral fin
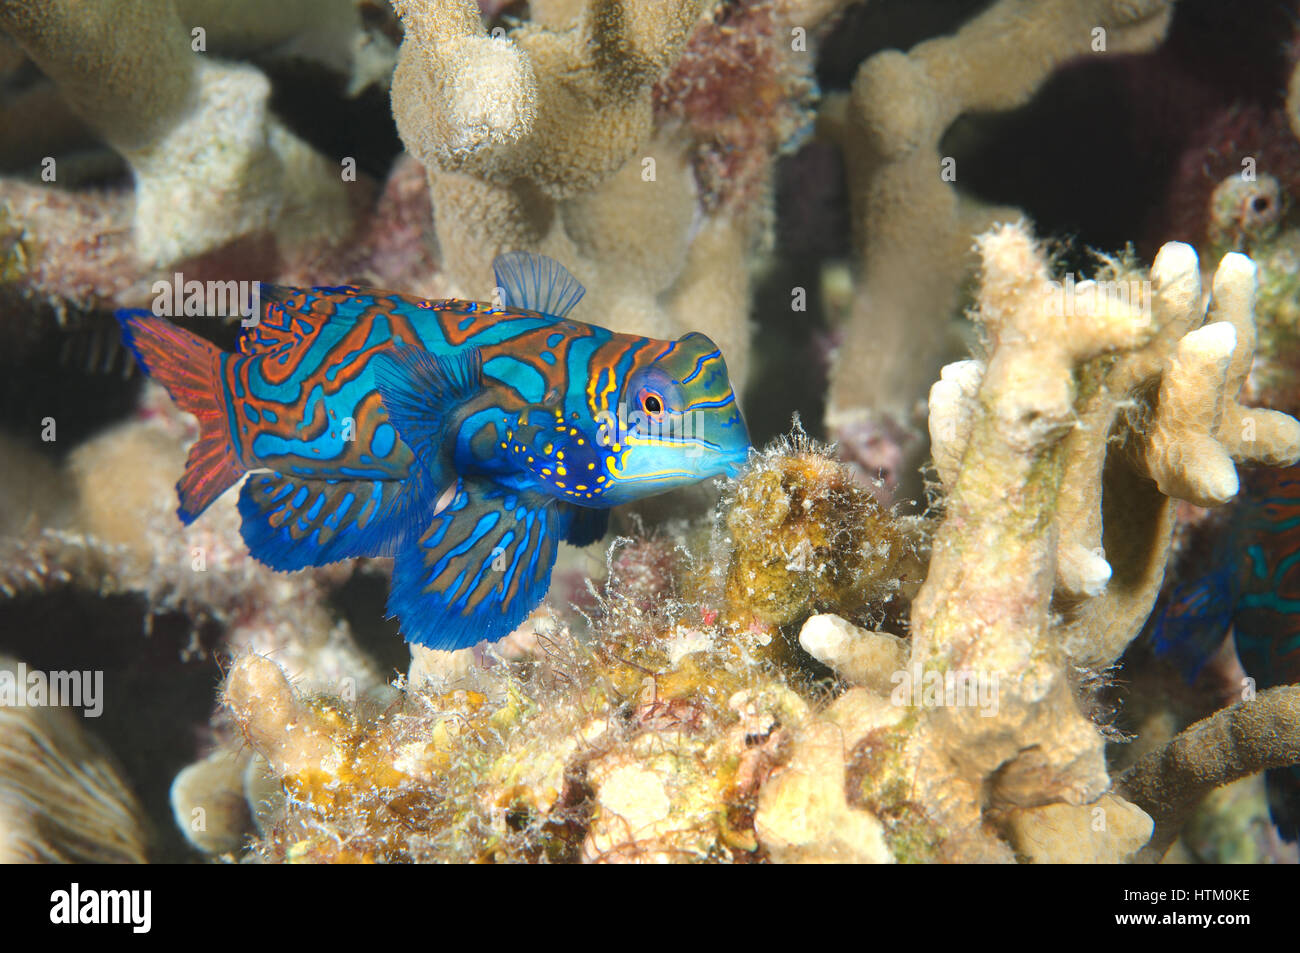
pixel 586 524
pixel 421 393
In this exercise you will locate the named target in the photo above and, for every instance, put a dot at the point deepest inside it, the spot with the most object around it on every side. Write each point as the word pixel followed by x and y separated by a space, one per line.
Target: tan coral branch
pixel 1246 738
pixel 912 227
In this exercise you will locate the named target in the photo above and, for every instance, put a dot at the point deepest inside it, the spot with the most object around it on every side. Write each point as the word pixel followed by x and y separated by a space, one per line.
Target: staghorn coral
pixel 912 227
pixel 1263 732
pixel 549 139
pixel 127 68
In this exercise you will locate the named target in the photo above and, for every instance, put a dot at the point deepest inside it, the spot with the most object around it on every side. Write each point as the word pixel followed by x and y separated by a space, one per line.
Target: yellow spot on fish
pixel 547 449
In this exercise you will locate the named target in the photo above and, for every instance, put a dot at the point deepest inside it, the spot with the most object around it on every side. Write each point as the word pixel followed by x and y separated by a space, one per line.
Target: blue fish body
pixel 1253 590
pixel 464 439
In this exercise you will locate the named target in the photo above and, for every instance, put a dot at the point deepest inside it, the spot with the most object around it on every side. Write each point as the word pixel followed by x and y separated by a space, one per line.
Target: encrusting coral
pixel 807 537
pixel 652 740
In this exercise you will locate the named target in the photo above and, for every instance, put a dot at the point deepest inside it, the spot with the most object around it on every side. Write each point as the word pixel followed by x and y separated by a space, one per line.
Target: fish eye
pixel 652 403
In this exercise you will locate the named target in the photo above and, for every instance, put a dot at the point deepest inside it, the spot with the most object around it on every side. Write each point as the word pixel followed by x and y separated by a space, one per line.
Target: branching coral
pixel 211 164
pixel 123 547
pixel 913 228
pixel 1037 459
pixel 938 701
pixel 967 738
pixel 1043 471
pixel 547 139
pixel 1246 738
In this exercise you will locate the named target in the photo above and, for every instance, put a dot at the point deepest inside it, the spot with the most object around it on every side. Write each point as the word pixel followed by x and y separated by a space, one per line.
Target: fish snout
pixel 735 462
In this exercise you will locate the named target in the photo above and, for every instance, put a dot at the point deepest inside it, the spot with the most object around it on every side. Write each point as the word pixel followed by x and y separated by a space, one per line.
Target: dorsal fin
pixel 536 283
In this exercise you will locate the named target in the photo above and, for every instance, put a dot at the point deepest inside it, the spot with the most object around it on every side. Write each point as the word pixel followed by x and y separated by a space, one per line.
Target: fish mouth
pixel 734 463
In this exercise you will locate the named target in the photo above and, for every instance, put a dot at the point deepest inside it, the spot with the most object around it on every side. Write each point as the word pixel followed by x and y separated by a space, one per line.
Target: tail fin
pixel 190 368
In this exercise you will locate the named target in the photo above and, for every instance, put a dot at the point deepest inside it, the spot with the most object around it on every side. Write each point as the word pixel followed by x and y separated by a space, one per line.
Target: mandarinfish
pixel 461 438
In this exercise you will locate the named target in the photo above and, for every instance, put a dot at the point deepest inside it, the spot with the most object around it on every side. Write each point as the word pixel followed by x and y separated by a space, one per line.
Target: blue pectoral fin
pixel 422 391
pixel 536 283
pixel 291 522
pixel 586 524
pixel 482 566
